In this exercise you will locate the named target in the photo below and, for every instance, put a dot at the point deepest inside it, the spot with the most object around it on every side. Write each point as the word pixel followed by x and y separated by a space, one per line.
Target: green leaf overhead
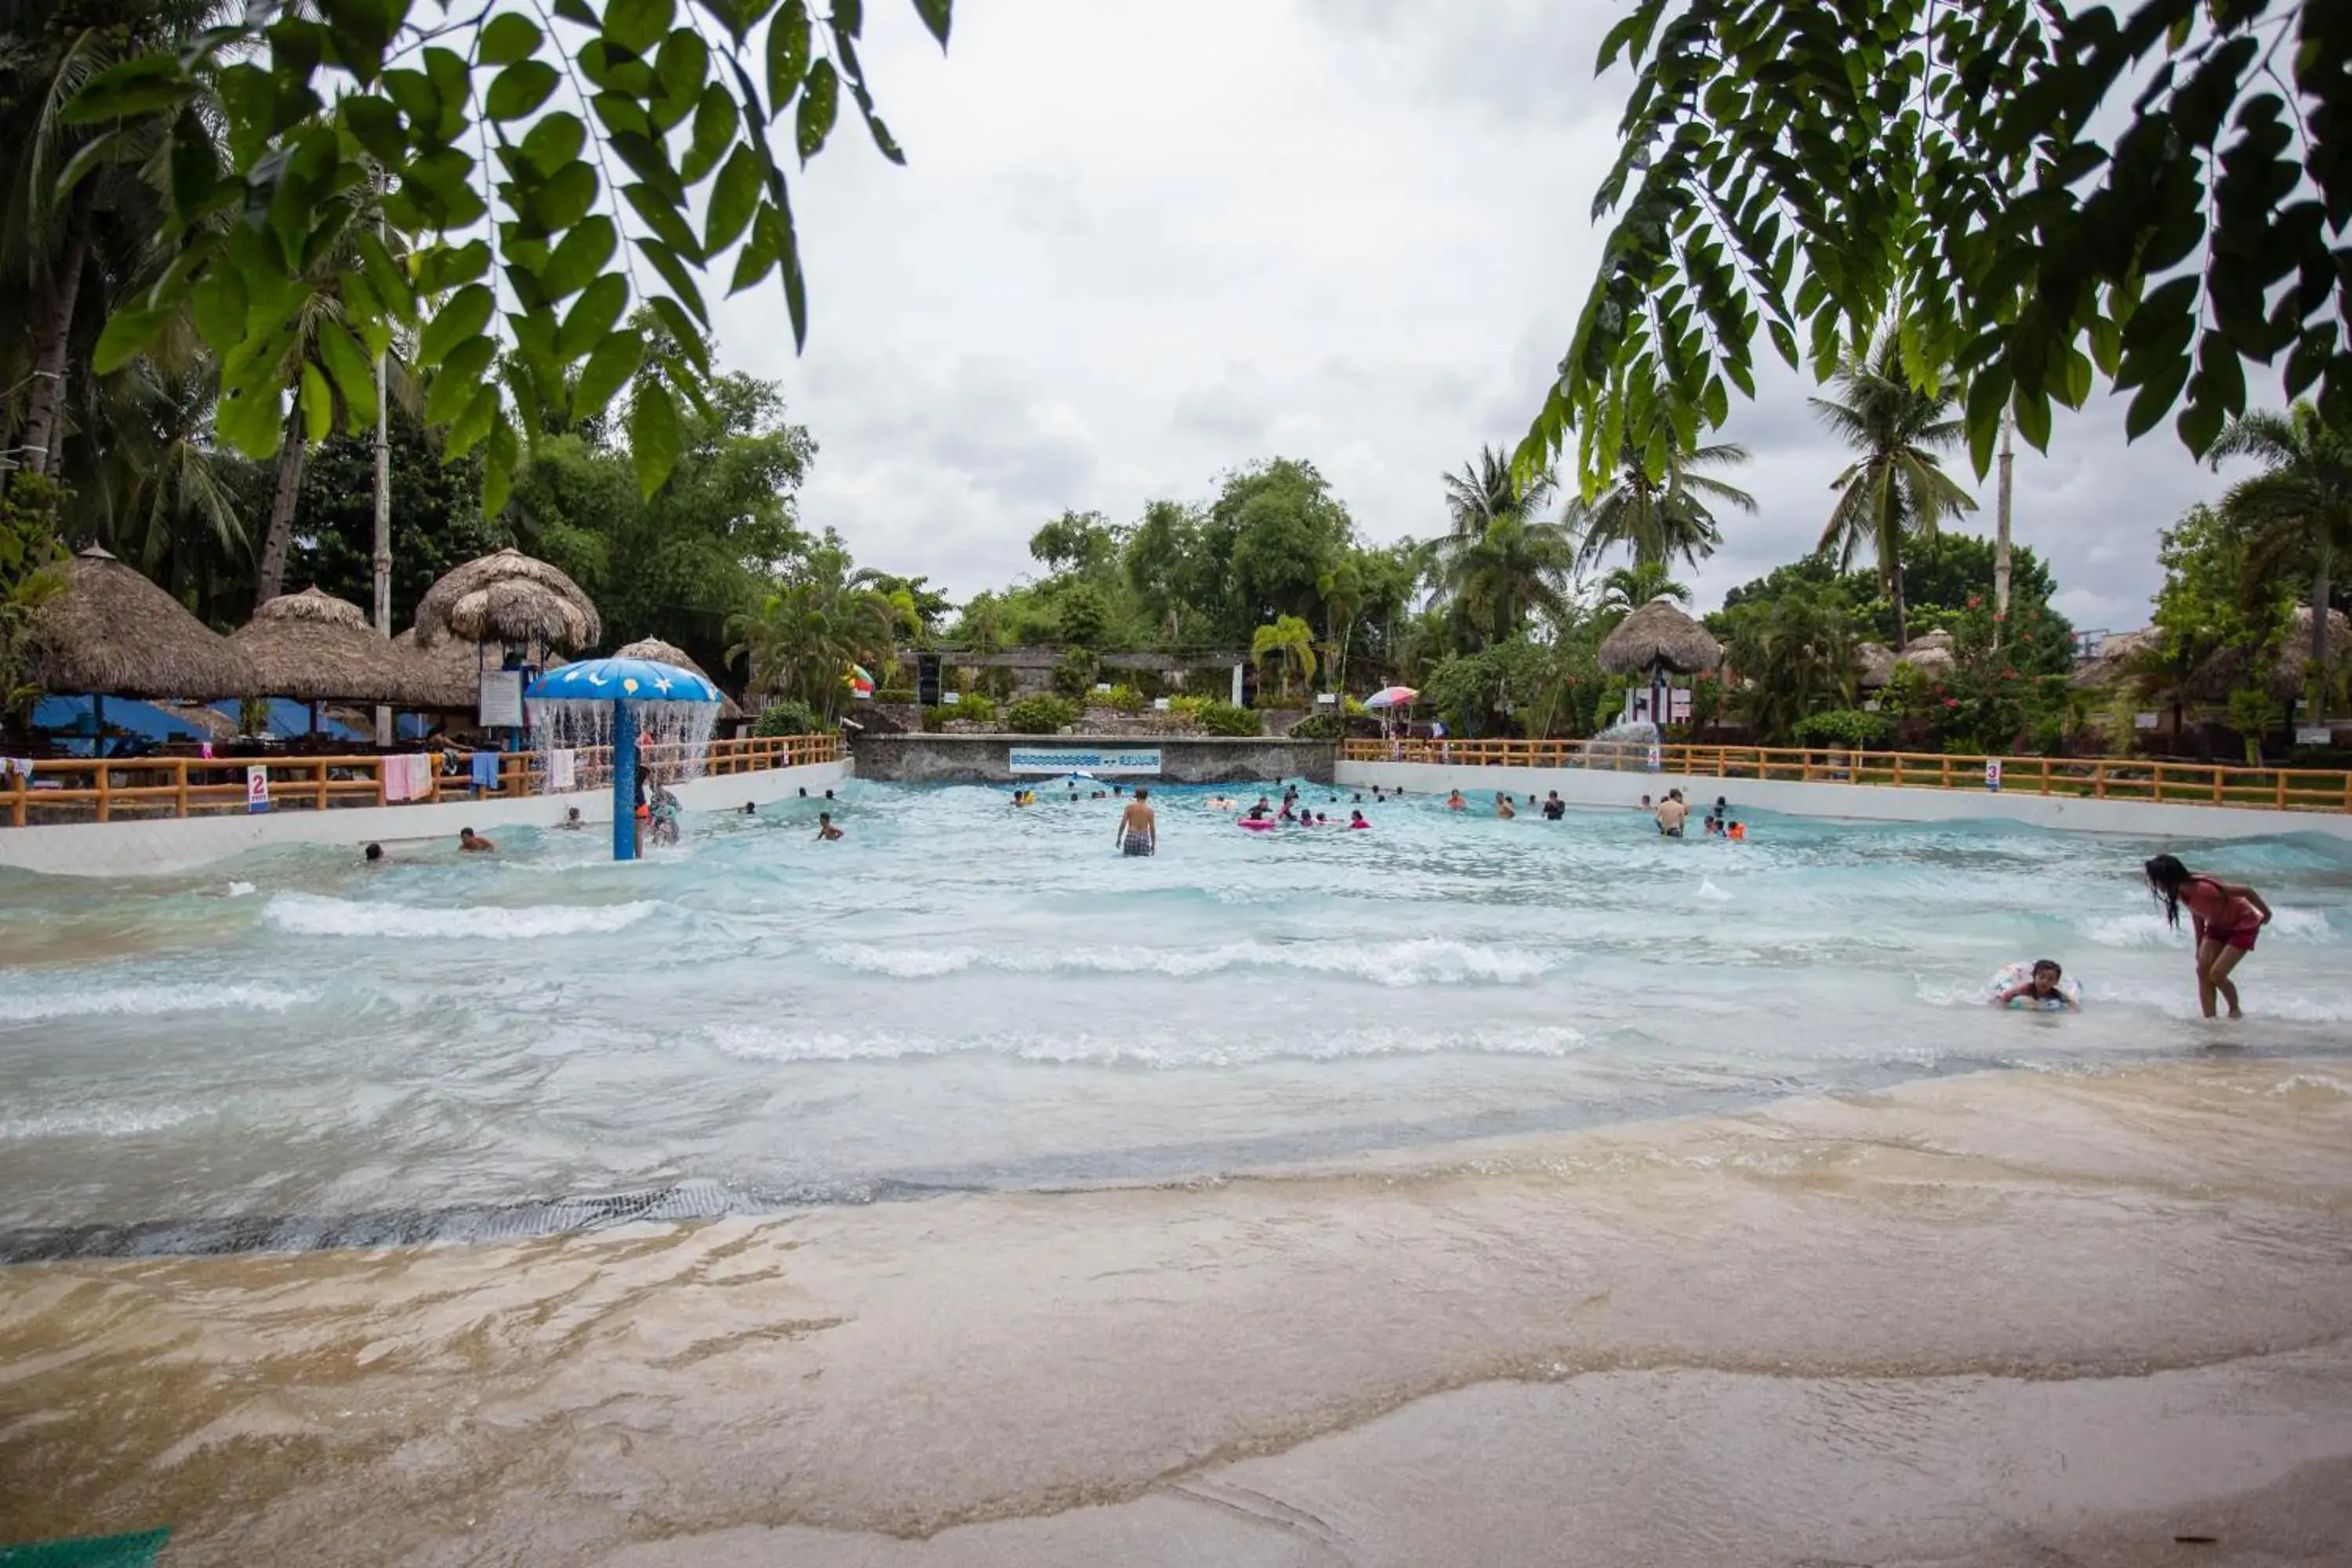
pixel 473 125
pixel 2044 194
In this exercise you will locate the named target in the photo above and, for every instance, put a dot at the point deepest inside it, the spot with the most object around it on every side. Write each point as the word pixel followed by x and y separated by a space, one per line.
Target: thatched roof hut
pixel 2106 667
pixel 110 632
pixel 1931 653
pixel 509 596
pixel 314 647
pixel 2224 670
pixel 448 675
pixel 1876 666
pixel 1659 635
pixel 661 652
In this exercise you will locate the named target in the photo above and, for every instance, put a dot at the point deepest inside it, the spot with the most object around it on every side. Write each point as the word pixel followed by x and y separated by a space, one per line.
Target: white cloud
pixel 1137 247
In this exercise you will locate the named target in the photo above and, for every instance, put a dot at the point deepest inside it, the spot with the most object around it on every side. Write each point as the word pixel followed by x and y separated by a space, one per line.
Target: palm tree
pixel 2298 511
pixel 1627 588
pixel 1661 517
pixel 1798 654
pixel 807 632
pixel 1343 592
pixel 1500 563
pixel 1895 488
pixel 153 486
pixel 1290 642
pixel 67 248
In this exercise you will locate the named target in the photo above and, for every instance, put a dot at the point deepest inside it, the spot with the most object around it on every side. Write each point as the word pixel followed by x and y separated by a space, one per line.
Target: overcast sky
pixel 1137 245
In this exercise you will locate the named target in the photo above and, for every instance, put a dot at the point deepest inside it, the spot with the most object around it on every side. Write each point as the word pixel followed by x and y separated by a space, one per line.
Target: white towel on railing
pixel 395 777
pixel 407 778
pixel 15 765
pixel 561 765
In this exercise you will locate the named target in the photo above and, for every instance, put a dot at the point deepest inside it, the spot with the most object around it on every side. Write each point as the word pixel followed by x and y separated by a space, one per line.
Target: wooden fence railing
pixel 2090 778
pixel 114 789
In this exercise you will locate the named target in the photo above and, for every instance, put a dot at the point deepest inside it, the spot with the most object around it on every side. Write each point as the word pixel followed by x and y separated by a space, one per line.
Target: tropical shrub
pixel 1227 719
pixel 897 694
pixel 1040 715
pixel 1125 698
pixel 789 716
pixel 1322 725
pixel 1074 675
pixel 1852 727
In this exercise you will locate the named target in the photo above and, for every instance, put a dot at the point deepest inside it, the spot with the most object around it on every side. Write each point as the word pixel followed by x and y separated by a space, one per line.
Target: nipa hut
pixel 313 647
pixel 507 596
pixel 1656 638
pixel 2224 670
pixel 110 632
pixel 1931 653
pixel 660 652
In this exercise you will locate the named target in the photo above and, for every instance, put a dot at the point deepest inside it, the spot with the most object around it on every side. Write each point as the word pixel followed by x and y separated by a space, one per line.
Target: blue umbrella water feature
pixel 618 702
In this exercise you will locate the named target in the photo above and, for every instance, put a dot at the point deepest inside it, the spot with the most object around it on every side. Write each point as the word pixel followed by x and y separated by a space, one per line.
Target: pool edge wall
pixel 1186 759
pixel 1856 803
pixel 162 845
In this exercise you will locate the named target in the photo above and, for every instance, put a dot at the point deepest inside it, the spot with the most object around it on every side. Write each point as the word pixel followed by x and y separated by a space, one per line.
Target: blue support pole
pixel 624 782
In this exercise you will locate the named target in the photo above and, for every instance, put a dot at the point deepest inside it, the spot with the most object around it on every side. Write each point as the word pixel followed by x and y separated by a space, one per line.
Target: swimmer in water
pixel 2040 987
pixel 1138 830
pixel 1356 819
pixel 2226 916
pixel 572 823
pixel 826 831
pixel 375 855
pixel 1453 802
pixel 1672 815
pixel 473 843
pixel 1221 803
pixel 1735 833
pixel 1502 807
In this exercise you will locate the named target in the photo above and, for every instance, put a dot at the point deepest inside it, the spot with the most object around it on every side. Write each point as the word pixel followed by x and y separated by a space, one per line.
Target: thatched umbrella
pixel 1658 637
pixel 1877 664
pixel 660 652
pixel 110 632
pixel 511 597
pixel 314 647
pixel 2106 667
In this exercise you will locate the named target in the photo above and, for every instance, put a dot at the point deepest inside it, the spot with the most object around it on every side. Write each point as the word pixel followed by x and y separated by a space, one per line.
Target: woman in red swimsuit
pixel 2227 917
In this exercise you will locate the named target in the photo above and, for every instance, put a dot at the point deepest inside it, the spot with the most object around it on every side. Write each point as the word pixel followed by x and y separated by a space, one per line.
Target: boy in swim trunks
pixel 2226 918
pixel 1138 830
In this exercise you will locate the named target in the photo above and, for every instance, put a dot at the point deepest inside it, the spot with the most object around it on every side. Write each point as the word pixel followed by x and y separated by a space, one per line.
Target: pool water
pixel 291 1049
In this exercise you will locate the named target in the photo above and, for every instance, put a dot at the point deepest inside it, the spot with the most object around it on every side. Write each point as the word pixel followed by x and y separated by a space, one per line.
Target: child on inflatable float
pixel 2044 986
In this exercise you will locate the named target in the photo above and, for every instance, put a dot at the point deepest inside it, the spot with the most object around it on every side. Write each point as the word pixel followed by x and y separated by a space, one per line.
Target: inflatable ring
pixel 2018 975
pixel 1256 824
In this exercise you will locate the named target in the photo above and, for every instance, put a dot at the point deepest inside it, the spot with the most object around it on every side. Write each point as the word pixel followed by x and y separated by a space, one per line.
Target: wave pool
pixel 293 1051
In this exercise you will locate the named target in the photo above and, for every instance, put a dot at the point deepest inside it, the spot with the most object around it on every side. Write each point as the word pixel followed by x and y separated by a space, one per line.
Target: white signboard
pixel 1992 772
pixel 256 788
pixel 2312 735
pixel 1102 762
pixel 501 699
pixel 2146 721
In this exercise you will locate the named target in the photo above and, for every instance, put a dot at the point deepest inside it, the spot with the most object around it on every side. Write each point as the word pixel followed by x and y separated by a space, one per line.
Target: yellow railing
pixel 2089 778
pixel 72 789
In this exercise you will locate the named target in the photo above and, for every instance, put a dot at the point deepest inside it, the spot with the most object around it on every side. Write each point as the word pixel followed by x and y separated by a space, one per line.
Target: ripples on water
pixel 291 1049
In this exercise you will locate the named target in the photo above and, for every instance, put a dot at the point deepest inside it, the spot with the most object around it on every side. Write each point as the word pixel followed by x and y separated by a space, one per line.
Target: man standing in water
pixel 1672 813
pixel 1138 830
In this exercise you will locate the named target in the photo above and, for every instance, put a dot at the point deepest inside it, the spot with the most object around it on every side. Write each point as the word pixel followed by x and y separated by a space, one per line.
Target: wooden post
pixel 321 793
pixel 180 786
pixel 24 788
pixel 104 783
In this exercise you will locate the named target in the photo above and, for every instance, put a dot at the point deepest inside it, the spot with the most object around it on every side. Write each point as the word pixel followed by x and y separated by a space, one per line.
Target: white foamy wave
pixel 1709 891
pixel 241 890
pixel 309 914
pixel 2146 927
pixel 764 1043
pixel 1425 961
pixel 86 1123
pixel 142 1000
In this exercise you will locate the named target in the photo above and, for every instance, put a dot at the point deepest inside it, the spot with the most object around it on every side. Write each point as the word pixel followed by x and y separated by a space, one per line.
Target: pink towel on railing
pixel 407 778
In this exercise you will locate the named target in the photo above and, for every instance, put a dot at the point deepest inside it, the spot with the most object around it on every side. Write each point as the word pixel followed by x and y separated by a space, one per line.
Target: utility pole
pixel 382 497
pixel 2000 533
